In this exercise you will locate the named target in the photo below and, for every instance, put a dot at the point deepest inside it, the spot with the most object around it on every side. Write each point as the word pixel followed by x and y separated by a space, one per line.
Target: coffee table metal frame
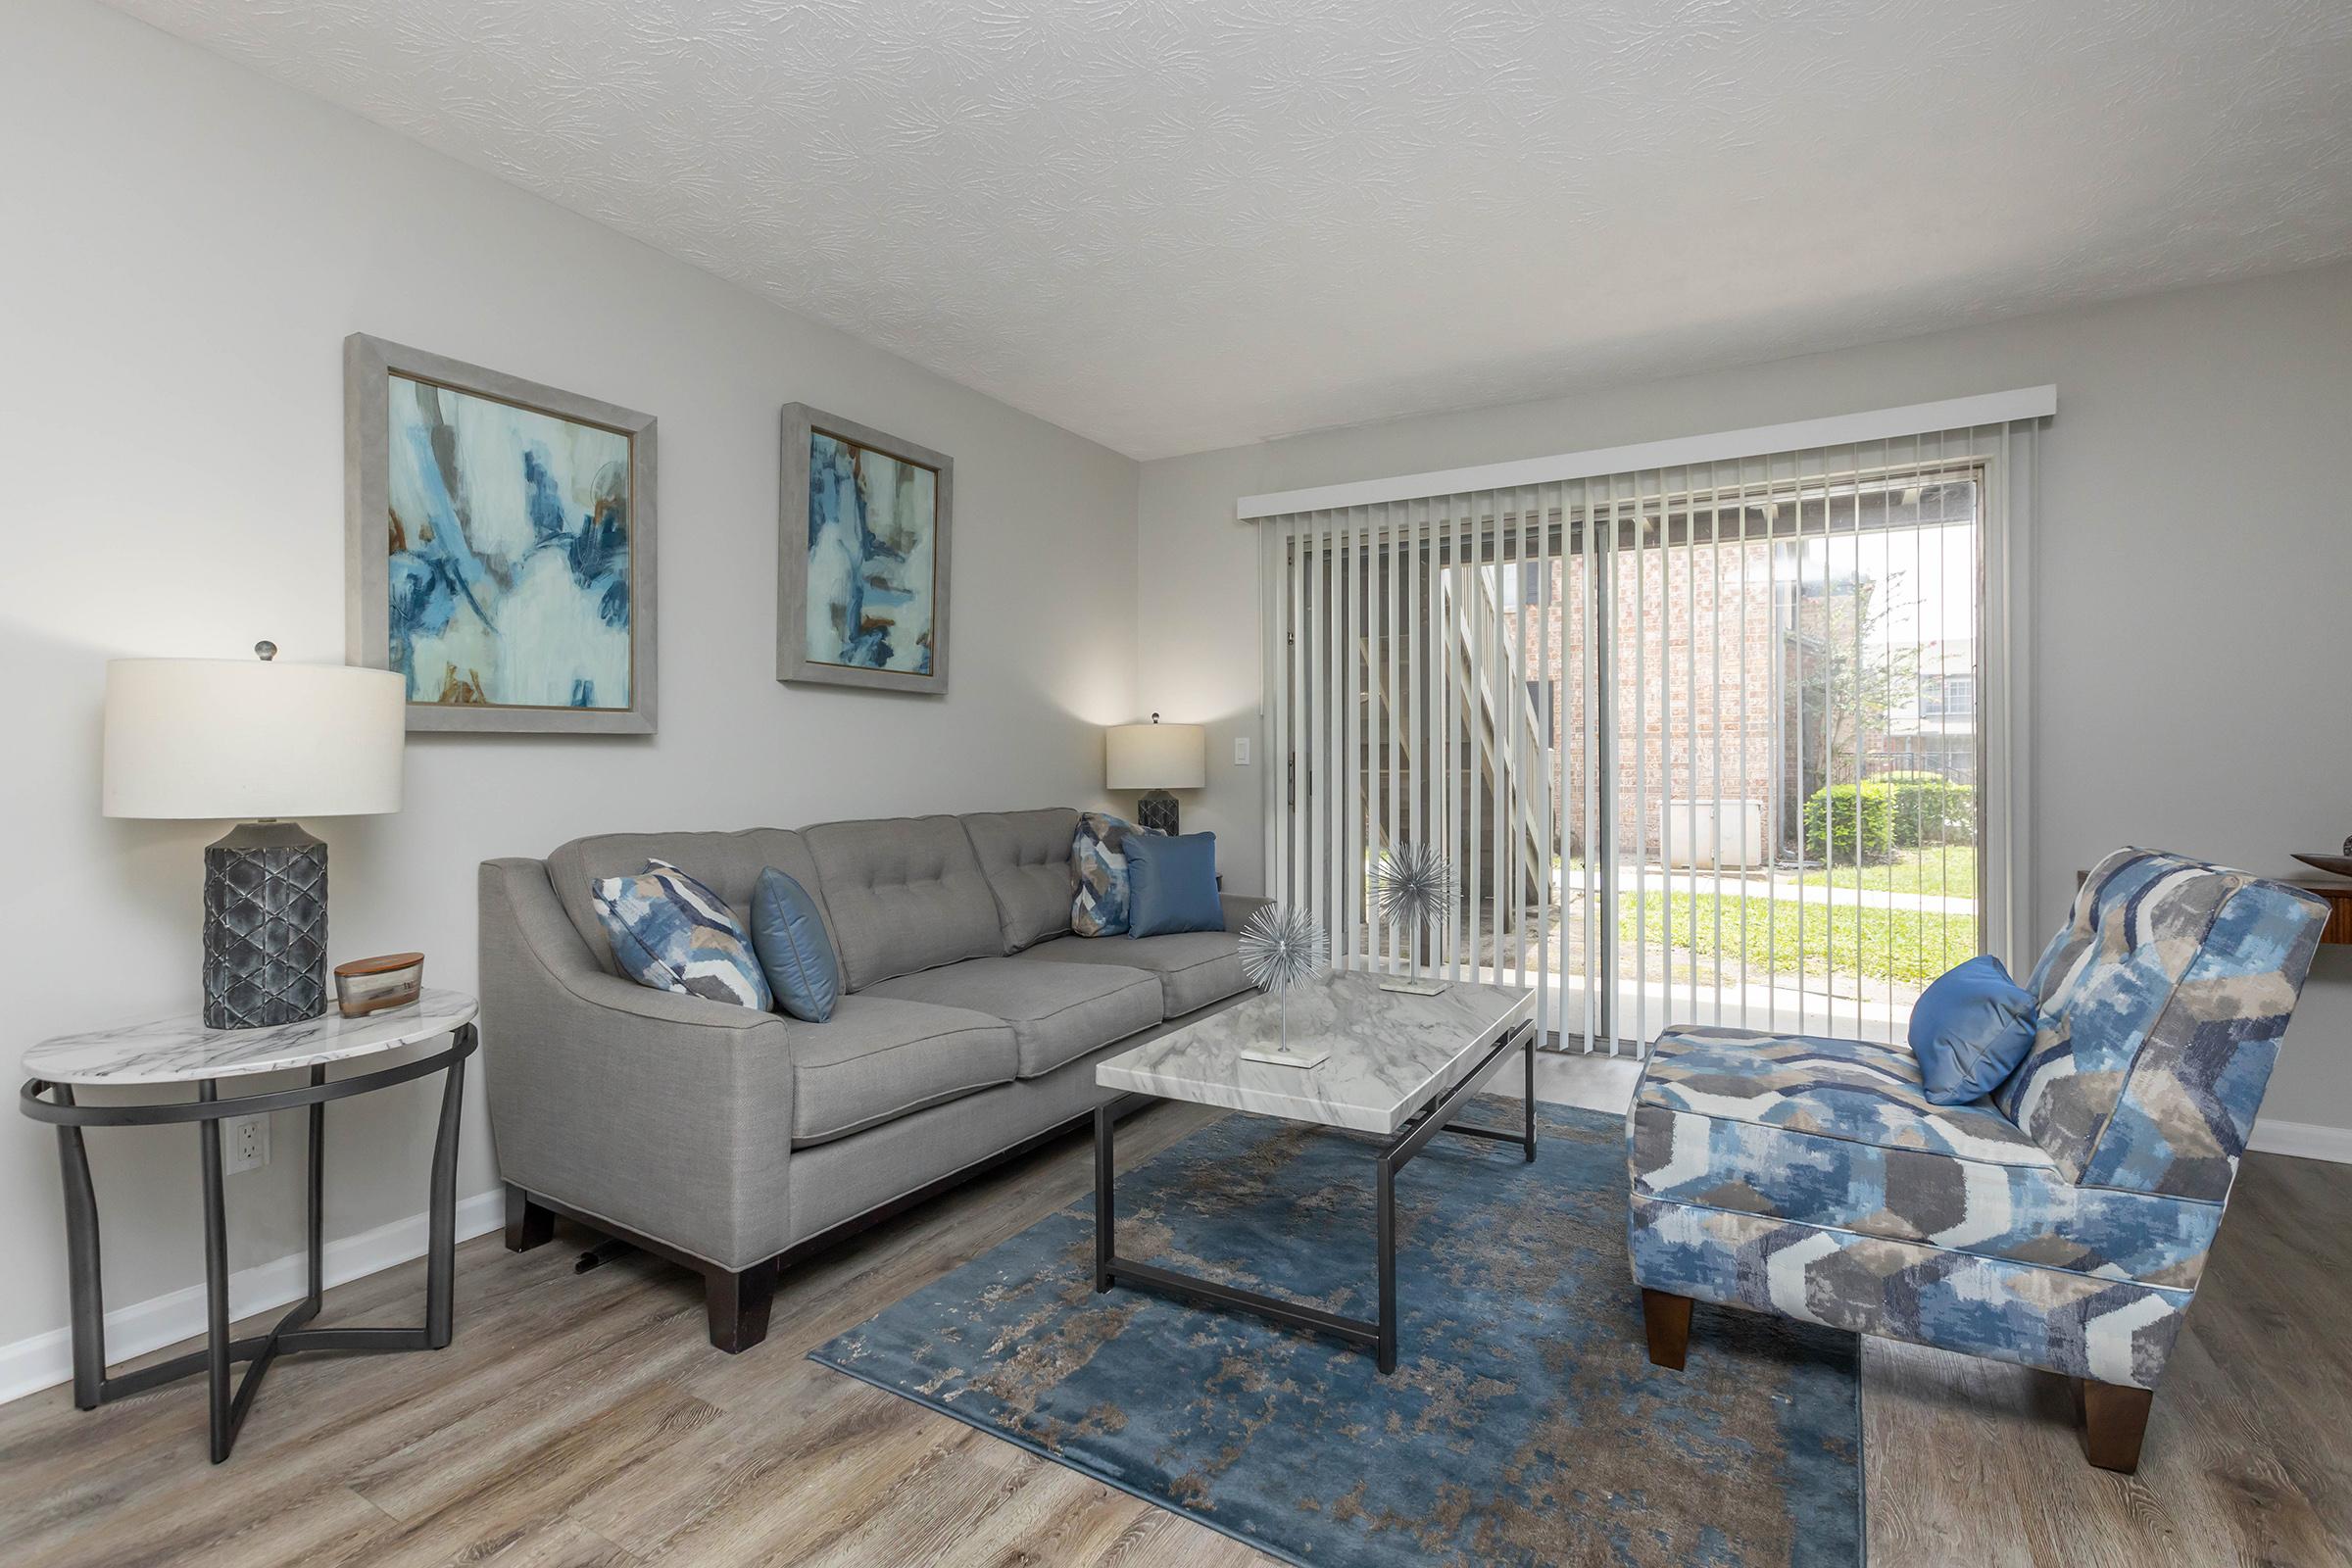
pixel 1376 1335
pixel 92 1387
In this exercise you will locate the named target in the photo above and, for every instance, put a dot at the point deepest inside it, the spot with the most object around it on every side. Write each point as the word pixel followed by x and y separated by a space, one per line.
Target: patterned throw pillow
pixel 671 932
pixel 1099 854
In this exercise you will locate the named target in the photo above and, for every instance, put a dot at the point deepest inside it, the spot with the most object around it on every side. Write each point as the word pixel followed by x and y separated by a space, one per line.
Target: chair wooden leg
pixel 2114 1420
pixel 527 1224
pixel 1666 1319
pixel 738 1306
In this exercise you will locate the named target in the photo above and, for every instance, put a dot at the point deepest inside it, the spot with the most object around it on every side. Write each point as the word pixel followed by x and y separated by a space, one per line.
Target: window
pixel 1632 713
pixel 1948 697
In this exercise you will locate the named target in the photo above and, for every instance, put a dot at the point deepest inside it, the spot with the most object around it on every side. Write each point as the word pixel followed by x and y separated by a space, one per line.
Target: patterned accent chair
pixel 2062 1222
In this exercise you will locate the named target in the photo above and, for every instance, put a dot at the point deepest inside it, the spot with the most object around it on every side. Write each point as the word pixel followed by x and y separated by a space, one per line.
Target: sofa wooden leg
pixel 1667 1321
pixel 527 1224
pixel 738 1304
pixel 2114 1420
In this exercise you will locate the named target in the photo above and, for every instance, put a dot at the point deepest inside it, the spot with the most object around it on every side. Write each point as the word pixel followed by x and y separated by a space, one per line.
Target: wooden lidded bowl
pixel 370 985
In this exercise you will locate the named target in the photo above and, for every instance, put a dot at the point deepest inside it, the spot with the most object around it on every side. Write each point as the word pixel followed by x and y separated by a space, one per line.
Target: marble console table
pixel 182 1051
pixel 1396 1065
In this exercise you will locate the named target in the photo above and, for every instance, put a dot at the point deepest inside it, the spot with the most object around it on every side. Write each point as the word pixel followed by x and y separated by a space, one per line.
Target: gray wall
pixel 2195 551
pixel 186 245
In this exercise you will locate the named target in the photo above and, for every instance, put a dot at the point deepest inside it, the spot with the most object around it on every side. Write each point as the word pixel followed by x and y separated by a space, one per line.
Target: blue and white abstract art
pixel 510 578
pixel 874 537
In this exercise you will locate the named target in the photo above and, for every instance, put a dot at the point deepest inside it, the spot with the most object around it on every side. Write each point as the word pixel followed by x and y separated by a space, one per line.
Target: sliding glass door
pixel 1699 744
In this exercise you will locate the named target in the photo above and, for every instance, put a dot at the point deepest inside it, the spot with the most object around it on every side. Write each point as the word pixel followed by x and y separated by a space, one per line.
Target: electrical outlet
pixel 1241 751
pixel 244 1143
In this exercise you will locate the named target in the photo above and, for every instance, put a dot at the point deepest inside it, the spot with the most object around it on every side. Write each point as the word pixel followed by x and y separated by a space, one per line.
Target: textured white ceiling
pixel 1173 225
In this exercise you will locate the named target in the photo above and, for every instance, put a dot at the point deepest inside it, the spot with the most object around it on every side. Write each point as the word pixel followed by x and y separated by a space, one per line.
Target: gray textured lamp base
pixel 1156 810
pixel 264 927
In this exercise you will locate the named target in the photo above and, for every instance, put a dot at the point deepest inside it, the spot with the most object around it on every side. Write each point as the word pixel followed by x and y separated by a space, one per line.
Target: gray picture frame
pixel 793 664
pixel 367 364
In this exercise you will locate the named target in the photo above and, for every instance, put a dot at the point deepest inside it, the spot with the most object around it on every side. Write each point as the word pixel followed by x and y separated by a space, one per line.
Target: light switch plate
pixel 1241 751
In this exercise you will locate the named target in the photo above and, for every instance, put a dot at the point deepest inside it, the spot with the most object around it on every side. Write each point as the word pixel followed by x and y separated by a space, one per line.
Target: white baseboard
pixel 45 1360
pixel 2303 1138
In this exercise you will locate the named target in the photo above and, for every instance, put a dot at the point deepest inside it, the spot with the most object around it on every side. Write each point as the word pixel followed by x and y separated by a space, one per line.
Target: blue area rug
pixel 1523 1425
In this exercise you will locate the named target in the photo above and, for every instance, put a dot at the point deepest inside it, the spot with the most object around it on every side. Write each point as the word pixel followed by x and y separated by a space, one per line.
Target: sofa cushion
pixel 878 1058
pixel 1855 1152
pixel 905 894
pixel 1195 968
pixel 1058 1011
pixel 727 863
pixel 1026 857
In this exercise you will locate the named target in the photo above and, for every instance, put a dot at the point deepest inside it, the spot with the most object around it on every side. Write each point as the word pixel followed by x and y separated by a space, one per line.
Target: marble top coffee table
pixel 1398 1065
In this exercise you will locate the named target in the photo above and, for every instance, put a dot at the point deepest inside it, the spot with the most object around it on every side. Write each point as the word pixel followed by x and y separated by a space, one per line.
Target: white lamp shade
pixel 1154 756
pixel 243 739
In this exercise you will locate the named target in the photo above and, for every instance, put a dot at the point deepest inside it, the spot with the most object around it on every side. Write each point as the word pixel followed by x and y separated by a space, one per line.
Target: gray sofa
pixel 736 1142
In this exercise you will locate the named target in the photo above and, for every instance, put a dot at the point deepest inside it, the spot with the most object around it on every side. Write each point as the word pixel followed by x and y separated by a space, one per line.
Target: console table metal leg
pixel 216 1274
pixel 1105 1217
pixel 317 1156
pixel 1386 1223
pixel 1528 1104
pixel 81 1263
pixel 441 1233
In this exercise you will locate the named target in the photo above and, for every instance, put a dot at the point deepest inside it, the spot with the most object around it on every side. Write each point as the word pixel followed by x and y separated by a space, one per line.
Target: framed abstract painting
pixel 499 545
pixel 861 557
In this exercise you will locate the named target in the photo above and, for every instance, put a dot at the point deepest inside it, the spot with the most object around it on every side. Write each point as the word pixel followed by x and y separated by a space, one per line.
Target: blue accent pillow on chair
pixel 1969 1030
pixel 1172 884
pixel 789 932
pixel 671 932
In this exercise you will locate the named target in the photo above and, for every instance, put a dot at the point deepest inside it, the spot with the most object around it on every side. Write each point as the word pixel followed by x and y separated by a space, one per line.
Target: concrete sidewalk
pixel 1788 886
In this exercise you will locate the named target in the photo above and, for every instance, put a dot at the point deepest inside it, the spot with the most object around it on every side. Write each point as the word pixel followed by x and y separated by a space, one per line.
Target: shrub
pixel 1928 809
pixel 1850 823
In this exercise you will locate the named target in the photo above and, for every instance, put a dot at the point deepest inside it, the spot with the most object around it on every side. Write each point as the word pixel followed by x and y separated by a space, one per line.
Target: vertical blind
pixel 1654 719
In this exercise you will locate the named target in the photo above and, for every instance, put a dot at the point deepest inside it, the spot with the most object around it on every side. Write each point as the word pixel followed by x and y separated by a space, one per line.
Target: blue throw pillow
pixel 671 932
pixel 1172 884
pixel 1969 1030
pixel 789 933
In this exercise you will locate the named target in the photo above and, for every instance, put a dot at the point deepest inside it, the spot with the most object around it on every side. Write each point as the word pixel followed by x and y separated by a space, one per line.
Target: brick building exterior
pixel 1695 711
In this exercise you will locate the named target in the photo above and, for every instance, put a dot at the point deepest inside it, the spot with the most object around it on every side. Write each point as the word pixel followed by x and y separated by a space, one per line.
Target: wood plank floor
pixel 585 1420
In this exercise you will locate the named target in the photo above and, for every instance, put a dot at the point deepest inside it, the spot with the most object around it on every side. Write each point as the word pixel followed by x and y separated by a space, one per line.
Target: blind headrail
pixel 1844 429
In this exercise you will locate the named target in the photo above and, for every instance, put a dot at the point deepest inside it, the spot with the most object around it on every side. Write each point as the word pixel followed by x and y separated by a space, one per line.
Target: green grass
pixel 1903 944
pixel 1950 872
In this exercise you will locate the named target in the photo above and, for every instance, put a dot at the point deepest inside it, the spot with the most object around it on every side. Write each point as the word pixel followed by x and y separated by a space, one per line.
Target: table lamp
pixel 1155 758
pixel 262 743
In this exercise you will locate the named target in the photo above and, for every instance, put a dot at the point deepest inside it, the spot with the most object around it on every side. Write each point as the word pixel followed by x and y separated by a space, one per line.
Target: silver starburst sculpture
pixel 1280 946
pixel 1415 888
pixel 1414 883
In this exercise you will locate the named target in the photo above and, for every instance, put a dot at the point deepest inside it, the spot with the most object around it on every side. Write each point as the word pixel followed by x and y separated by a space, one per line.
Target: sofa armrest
pixel 1239 907
pixel 667 1114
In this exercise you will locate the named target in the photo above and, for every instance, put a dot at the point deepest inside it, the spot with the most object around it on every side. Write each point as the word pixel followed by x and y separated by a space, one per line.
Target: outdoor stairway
pixel 1495 744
